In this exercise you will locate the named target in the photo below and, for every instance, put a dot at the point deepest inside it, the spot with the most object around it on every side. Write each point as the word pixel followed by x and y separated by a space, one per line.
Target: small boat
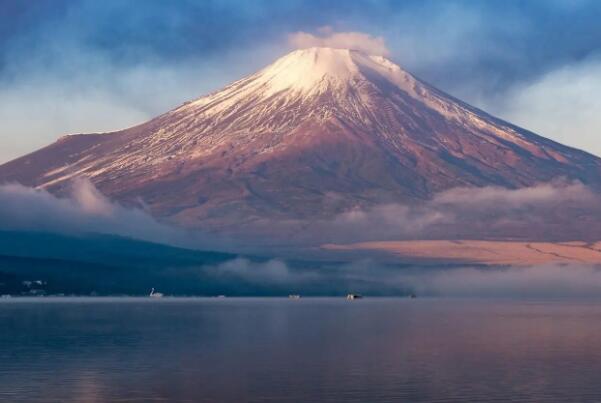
pixel 155 294
pixel 412 296
pixel 353 296
pixel 294 296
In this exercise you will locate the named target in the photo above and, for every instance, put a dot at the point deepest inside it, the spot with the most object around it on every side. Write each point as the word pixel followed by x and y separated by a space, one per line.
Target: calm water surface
pixel 280 350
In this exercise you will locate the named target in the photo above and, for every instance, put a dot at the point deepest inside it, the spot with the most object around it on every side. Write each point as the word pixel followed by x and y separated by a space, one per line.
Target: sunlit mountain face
pixel 319 133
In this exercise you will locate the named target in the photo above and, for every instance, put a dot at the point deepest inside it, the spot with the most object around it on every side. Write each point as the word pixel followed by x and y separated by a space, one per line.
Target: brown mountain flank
pixel 485 252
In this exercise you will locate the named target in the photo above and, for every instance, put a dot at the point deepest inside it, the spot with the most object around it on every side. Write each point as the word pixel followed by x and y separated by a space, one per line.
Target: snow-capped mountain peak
pixel 314 71
pixel 319 131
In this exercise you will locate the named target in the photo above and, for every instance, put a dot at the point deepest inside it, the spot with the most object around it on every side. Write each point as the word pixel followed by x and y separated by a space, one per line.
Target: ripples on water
pixel 277 350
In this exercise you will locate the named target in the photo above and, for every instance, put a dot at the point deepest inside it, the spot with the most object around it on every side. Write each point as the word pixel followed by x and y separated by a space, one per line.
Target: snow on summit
pixel 316 133
pixel 315 70
pixel 308 70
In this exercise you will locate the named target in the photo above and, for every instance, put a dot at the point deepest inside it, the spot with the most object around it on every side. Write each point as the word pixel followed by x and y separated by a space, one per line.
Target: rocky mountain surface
pixel 316 133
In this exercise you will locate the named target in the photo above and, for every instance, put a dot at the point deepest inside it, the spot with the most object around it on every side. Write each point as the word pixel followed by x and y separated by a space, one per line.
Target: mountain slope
pixel 103 264
pixel 319 131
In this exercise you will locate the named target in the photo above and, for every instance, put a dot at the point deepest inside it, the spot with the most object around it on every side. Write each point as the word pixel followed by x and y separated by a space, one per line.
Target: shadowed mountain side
pixel 102 264
pixel 45 264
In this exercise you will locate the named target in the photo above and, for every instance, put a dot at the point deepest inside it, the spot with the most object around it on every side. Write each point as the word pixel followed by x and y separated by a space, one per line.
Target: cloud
pixel 327 37
pixel 491 204
pixel 266 273
pixel 383 222
pixel 499 198
pixel 90 200
pixel 369 277
pixel 88 93
pixel 88 211
pixel 75 71
pixel 242 276
pixel 562 211
pixel 72 68
pixel 74 74
pixel 563 104
pixel 553 211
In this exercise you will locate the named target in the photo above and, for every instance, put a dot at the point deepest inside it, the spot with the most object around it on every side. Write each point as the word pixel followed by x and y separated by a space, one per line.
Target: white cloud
pixel 264 273
pixel 86 211
pixel 494 197
pixel 469 213
pixel 326 37
pixel 89 93
pixel 563 105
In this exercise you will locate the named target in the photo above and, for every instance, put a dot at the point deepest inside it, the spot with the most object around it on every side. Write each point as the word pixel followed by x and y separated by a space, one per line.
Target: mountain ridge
pixel 316 133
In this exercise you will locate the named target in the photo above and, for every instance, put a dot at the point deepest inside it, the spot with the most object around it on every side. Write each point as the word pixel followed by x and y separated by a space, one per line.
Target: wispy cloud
pixel 72 68
pixel 86 210
pixel 265 273
pixel 502 199
pixel 373 278
pixel 23 208
pixel 558 210
pixel 562 210
pixel 563 104
pixel 88 93
pixel 327 37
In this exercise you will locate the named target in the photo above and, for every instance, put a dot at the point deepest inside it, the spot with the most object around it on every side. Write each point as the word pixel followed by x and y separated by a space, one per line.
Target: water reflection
pixel 299 350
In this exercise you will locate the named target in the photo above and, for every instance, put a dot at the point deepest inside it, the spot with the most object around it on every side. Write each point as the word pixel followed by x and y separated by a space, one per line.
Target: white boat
pixel 294 296
pixel 353 296
pixel 155 294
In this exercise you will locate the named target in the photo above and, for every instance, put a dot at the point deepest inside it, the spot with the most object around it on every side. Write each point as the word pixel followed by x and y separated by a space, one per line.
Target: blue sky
pixel 83 66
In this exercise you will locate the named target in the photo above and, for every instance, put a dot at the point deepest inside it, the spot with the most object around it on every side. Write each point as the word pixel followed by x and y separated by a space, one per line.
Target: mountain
pixel 314 134
pixel 104 264
pixel 37 263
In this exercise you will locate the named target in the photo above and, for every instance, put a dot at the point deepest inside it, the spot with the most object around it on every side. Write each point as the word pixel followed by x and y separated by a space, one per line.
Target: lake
pixel 307 350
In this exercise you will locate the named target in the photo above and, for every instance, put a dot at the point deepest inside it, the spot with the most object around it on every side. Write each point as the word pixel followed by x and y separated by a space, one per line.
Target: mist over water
pixel 275 270
pixel 369 277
